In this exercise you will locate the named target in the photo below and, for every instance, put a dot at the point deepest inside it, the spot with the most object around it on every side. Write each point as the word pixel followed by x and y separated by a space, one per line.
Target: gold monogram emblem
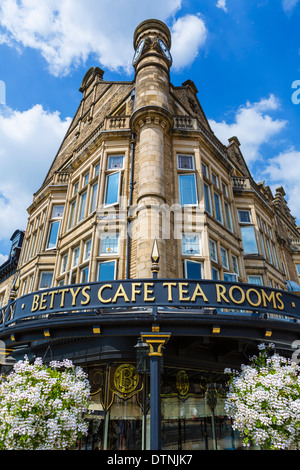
pixel 182 382
pixel 126 379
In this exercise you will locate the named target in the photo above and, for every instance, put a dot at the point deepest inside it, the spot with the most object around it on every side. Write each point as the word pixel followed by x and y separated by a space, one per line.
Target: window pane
pixel 244 217
pixel 112 188
pixel 190 244
pixel 71 215
pixel 84 275
pixel 106 271
pixel 186 162
pixel 64 263
pixel 235 264
pixel 218 207
pixel 75 256
pixel 249 240
pixel 87 249
pixel 94 197
pixel 46 280
pixel 255 280
pixel 82 206
pixel 215 274
pixel 228 216
pixel 187 189
pixel 213 250
pixel 109 244
pixel 192 270
pixel 207 198
pixel 224 257
pixel 86 179
pixel 96 169
pixel 53 233
pixel 115 162
pixel 58 211
pixel 230 277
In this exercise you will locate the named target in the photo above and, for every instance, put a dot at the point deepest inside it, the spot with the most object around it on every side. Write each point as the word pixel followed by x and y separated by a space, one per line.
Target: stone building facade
pixel 180 173
pixel 140 166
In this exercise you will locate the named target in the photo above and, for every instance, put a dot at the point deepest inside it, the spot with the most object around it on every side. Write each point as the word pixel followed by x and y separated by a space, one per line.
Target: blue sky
pixel 243 56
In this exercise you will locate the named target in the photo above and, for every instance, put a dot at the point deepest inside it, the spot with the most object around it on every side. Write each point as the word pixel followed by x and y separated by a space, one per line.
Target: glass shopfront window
pixel 192 410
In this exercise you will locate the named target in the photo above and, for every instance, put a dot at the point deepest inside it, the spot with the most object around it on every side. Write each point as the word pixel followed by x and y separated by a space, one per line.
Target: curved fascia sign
pixel 157 292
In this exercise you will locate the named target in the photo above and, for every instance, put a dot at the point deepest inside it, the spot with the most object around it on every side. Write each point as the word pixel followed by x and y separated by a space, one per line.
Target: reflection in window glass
pixel 93 197
pixel 228 215
pixel 46 279
pixel 82 206
pixel 112 188
pixel 53 233
pixel 213 250
pixel 255 280
pixel 75 256
pixel 224 257
pixel 187 189
pixel 249 240
pixel 218 207
pixel 84 275
pixel 64 263
pixel 71 214
pixel 207 198
pixel 106 271
pixel 87 249
pixel 193 270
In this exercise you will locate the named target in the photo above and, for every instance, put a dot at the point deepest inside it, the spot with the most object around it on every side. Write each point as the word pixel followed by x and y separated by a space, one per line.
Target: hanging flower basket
pixel 41 407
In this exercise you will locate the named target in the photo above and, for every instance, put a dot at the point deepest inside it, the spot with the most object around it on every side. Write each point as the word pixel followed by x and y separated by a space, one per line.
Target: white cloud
pixel 289 5
pixel 3 258
pixel 284 170
pixel 66 32
pixel 189 33
pixel 252 125
pixel 222 4
pixel 29 142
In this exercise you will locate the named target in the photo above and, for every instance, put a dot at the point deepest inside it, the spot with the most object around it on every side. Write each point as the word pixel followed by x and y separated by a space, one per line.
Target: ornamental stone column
pixel 151 122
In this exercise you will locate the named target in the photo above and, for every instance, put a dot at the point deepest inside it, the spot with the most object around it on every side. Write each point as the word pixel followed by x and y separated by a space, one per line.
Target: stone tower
pixel 151 123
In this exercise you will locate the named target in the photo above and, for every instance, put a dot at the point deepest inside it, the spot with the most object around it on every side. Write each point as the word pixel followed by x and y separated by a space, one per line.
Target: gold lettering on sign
pixel 134 291
pixel 63 293
pixel 87 296
pixel 198 292
pixel 269 298
pixel 43 300
pixel 232 288
pixel 106 286
pixel 278 297
pixel 183 291
pixel 148 291
pixel 35 303
pixel 169 285
pixel 221 290
pixel 74 294
pixel 120 293
pixel 258 297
